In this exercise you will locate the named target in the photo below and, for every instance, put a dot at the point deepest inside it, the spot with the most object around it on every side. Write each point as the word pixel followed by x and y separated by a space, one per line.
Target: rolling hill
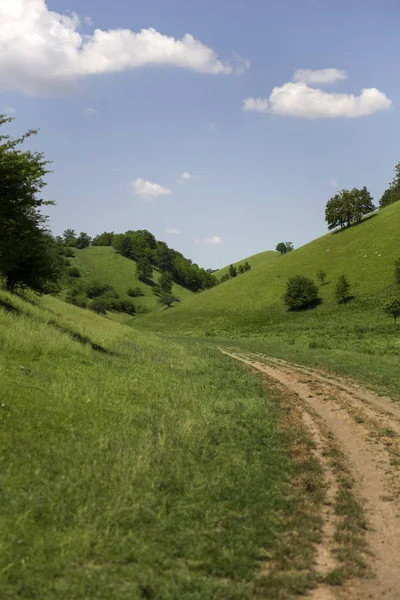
pixel 104 264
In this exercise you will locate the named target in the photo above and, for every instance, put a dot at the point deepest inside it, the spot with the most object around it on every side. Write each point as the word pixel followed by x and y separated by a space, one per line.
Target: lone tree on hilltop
pixel 342 289
pixel 347 207
pixel 301 292
pixel 28 253
pixel 284 247
pixel 232 271
pixel 321 276
pixel 392 307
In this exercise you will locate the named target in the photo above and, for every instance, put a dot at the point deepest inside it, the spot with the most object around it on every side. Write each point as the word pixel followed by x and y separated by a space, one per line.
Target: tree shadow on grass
pixel 309 306
pixel 347 299
pixel 367 218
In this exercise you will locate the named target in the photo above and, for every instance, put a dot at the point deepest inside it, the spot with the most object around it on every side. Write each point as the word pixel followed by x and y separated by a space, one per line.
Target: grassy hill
pixel 104 264
pixel 250 307
pixel 134 467
pixel 255 261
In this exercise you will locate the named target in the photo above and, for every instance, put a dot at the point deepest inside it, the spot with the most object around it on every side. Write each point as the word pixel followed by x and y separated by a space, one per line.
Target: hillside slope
pixel 365 253
pixel 255 261
pixel 104 264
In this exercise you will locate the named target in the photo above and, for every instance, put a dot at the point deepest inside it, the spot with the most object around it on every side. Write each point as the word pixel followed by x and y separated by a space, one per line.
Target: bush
pixel 342 289
pixel 392 307
pixel 224 278
pixel 96 289
pixel 68 252
pixel 74 272
pixel 321 276
pixel 168 300
pixel 135 292
pixel 99 306
pixel 124 306
pixel 301 292
pixel 77 296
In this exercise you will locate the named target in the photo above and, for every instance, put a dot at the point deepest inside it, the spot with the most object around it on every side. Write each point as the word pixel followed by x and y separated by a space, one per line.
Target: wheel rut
pixel 366 429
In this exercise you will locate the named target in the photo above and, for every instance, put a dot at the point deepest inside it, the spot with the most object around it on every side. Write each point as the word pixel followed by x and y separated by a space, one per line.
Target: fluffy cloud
pixel 214 239
pixel 319 75
pixel 298 99
pixel 90 112
pixel 148 190
pixel 172 230
pixel 184 177
pixel 42 51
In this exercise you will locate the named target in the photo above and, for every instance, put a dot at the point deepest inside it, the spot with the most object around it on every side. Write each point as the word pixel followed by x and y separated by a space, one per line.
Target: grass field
pixel 137 467
pixel 356 338
pixel 104 264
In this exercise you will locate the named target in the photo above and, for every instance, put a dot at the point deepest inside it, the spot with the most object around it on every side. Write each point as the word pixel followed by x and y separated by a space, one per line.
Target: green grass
pixel 355 338
pixel 256 261
pixel 104 264
pixel 132 466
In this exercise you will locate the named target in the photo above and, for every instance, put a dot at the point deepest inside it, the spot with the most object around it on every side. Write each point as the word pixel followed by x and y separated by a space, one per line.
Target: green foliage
pixel 103 239
pixel 74 272
pixel 76 295
pixel 28 253
pixel 232 271
pixel 99 306
pixel 392 193
pixel 96 289
pixel 68 252
pixel 135 292
pixel 69 238
pixel 348 207
pixel 247 266
pixel 144 269
pixel 392 307
pixel 82 241
pixel 284 247
pixel 321 276
pixel 342 289
pixel 225 277
pixel 168 300
pixel 397 271
pixel 301 292
pixel 241 269
pixel 166 282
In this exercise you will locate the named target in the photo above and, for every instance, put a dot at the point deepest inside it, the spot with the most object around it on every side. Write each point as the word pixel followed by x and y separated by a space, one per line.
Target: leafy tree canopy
pixel 348 207
pixel 301 292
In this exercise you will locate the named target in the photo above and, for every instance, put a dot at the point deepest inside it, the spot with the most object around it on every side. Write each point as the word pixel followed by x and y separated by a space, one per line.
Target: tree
pixel 28 253
pixel 69 237
pixel 241 269
pixel 99 306
pixel 342 289
pixel 289 246
pixel 232 271
pixel 83 241
pixel 166 282
pixel 284 247
pixel 144 269
pixel 301 292
pixel 397 270
pixel 168 300
pixel 348 206
pixel 362 203
pixel 321 276
pixel 247 266
pixel 224 278
pixel 392 307
pixel 103 239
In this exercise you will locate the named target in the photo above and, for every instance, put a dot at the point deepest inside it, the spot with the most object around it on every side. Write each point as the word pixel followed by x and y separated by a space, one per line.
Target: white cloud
pixel 90 111
pixel 297 99
pixel 334 183
pixel 42 51
pixel 184 177
pixel 319 75
pixel 214 239
pixel 148 190
pixel 172 230
pixel 255 104
pixel 10 110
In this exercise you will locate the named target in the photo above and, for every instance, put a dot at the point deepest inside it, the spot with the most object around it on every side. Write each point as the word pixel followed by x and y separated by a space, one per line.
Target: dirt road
pixel 366 428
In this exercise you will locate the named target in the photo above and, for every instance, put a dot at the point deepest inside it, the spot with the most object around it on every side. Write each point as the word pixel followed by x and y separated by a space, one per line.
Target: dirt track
pixel 366 428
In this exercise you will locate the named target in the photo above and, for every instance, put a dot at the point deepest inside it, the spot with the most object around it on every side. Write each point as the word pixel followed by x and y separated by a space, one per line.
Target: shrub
pixel 232 271
pixel 224 278
pixel 99 306
pixel 157 291
pixel 96 289
pixel 247 266
pixel 135 292
pixel 321 276
pixel 342 289
pixel 392 307
pixel 124 306
pixel 77 296
pixel 241 269
pixel 74 272
pixel 168 300
pixel 301 292
pixel 68 252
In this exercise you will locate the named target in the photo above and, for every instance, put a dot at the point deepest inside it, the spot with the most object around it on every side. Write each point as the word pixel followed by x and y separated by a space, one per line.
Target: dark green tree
pixel 392 307
pixel 232 271
pixel 281 248
pixel 168 300
pixel 103 239
pixel 28 253
pixel 83 241
pixel 342 289
pixel 224 278
pixel 69 237
pixel 241 269
pixel 144 269
pixel 362 202
pixel 301 292
pixel 321 276
pixel 247 266
pixel 166 282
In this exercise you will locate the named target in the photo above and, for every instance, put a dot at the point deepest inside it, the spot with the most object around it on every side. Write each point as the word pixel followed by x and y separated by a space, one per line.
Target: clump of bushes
pixel 74 272
pixel 135 292
pixel 301 292
pixel 96 289
pixel 168 300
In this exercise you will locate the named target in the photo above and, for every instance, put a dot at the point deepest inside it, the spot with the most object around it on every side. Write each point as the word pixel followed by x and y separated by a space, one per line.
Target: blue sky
pixel 124 117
